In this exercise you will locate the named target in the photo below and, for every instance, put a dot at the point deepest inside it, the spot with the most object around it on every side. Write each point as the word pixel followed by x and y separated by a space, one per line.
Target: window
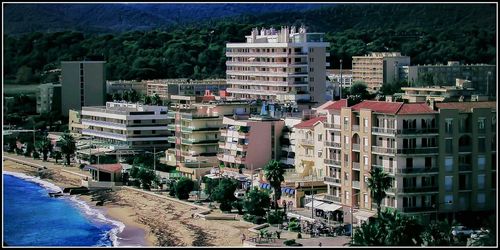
pixel 448 199
pixel 481 144
pixel 480 124
pixel 366 198
pixel 365 123
pixel 428 162
pixel 448 163
pixel 448 126
pixel 320 137
pixel 409 162
pixel 481 198
pixel 448 183
pixel 481 161
pixel 448 146
pixel 480 181
pixel 346 139
pixel 365 141
pixel 320 153
pixel 365 160
pixel 347 195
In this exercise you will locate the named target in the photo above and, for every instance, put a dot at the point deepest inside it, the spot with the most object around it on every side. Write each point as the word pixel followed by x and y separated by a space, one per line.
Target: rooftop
pixel 337 105
pixel 394 107
pixel 311 122
pixel 466 106
pixel 111 168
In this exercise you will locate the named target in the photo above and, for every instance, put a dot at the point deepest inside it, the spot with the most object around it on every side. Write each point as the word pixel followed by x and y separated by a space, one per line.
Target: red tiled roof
pixel 379 107
pixel 399 108
pixel 465 106
pixel 415 108
pixel 310 123
pixel 113 168
pixel 337 105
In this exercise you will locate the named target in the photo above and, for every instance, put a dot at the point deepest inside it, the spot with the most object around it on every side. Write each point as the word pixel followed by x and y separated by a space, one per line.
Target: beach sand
pixel 158 221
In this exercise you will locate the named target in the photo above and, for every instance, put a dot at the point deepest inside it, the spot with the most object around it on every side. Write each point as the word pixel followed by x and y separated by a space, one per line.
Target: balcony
pixel 307 142
pixel 355 146
pixel 332 126
pixel 355 166
pixel 189 116
pixel 241 147
pixel 190 141
pixel 104 124
pixel 333 180
pixel 385 169
pixel 466 148
pixel 332 144
pixel 171 115
pixel 384 131
pixel 172 139
pixel 171 127
pixel 382 150
pixel 418 170
pixel 426 150
pixel 240 159
pixel 463 167
pixel 265 54
pixel 418 209
pixel 265 83
pixel 333 198
pixel 355 184
pixel 420 131
pixel 355 128
pixel 332 162
pixel 434 189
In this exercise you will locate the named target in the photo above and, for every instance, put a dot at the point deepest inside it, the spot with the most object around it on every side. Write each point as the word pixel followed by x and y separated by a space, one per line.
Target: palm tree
pixel 274 172
pixel 155 99
pixel 45 147
pixel 378 183
pixel 68 146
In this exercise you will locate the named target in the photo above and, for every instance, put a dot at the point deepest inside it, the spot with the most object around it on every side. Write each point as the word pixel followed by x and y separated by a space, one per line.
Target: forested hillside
pixel 428 33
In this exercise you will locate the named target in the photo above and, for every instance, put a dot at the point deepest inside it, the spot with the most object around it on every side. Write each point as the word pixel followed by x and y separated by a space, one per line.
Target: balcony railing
pixel 355 184
pixel 386 169
pixel 333 198
pixel 464 167
pixel 418 170
pixel 355 165
pixel 427 150
pixel 332 144
pixel 332 162
pixel 408 131
pixel 332 126
pixel 466 148
pixel 377 149
pixel 355 147
pixel 306 142
pixel 418 209
pixel 355 128
pixel 332 179
pixel 389 131
pixel 418 189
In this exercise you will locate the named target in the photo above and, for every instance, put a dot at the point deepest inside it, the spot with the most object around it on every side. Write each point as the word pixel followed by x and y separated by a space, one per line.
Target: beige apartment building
pixel 408 141
pixel 378 68
pixel 286 65
pixel 75 125
pixel 195 129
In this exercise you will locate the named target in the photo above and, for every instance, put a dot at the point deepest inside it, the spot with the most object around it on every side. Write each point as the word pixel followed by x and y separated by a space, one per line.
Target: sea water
pixel 32 218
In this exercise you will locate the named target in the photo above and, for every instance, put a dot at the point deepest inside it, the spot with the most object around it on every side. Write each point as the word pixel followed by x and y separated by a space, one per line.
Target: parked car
pixel 461 231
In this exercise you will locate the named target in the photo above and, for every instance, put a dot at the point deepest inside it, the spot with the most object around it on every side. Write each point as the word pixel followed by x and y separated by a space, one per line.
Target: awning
pixel 316 204
pixel 300 217
pixel 329 207
pixel 363 215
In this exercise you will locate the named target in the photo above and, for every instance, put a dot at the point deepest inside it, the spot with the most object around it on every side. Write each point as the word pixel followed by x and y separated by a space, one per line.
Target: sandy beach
pixel 158 221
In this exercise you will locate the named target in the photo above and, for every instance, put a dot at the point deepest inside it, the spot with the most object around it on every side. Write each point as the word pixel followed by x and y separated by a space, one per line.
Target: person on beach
pixel 243 238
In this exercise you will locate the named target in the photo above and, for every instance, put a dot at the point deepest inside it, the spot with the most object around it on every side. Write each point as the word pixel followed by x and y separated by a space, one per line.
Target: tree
pixel 116 97
pixel 274 171
pixel 156 100
pixel 146 177
pixel 134 96
pixel 44 146
pixel 147 99
pixel 183 187
pixel 68 146
pixel 379 182
pixel 359 88
pixel 256 202
pixel 224 192
pixel 210 185
pixel 437 234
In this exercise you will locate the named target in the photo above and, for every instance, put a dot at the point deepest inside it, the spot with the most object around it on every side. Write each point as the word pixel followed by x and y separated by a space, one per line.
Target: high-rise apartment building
pixel 378 68
pixel 48 98
pixel 83 84
pixel 281 65
pixel 195 132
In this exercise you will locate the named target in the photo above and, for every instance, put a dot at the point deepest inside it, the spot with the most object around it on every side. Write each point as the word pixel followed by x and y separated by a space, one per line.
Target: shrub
pixel 36 155
pixel 225 206
pixel 183 187
pixel 275 217
pixel 258 220
pixel 294 226
pixel 82 166
pixel 299 236
pixel 238 205
pixel 248 217
pixel 289 242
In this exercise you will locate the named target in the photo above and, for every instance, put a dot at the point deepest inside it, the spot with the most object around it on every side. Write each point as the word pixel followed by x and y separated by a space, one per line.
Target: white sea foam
pixel 118 226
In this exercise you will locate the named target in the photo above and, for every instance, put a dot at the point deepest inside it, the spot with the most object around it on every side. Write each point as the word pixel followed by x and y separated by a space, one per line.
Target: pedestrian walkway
pixel 51 165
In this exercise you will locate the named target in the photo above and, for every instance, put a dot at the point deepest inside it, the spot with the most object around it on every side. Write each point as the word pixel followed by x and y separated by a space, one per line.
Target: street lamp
pixel 154 159
pixel 340 79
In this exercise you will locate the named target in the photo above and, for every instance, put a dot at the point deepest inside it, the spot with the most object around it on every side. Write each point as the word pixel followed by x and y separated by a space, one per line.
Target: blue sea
pixel 32 218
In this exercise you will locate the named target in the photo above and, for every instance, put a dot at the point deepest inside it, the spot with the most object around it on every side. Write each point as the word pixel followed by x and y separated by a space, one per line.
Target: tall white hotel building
pixel 284 65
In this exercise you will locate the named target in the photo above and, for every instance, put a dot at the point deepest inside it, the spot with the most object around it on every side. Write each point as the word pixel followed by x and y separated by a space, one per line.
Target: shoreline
pixel 163 221
pixel 125 233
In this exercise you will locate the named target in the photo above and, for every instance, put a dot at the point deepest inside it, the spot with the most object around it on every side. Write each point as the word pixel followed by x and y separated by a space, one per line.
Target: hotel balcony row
pixel 269 64
pixel 238 159
pixel 265 54
pixel 233 133
pixel 388 131
pixel 122 137
pixel 190 116
pixel 404 151
pixel 233 146
pixel 266 73
pixel 290 83
pixel 191 129
pixel 123 126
